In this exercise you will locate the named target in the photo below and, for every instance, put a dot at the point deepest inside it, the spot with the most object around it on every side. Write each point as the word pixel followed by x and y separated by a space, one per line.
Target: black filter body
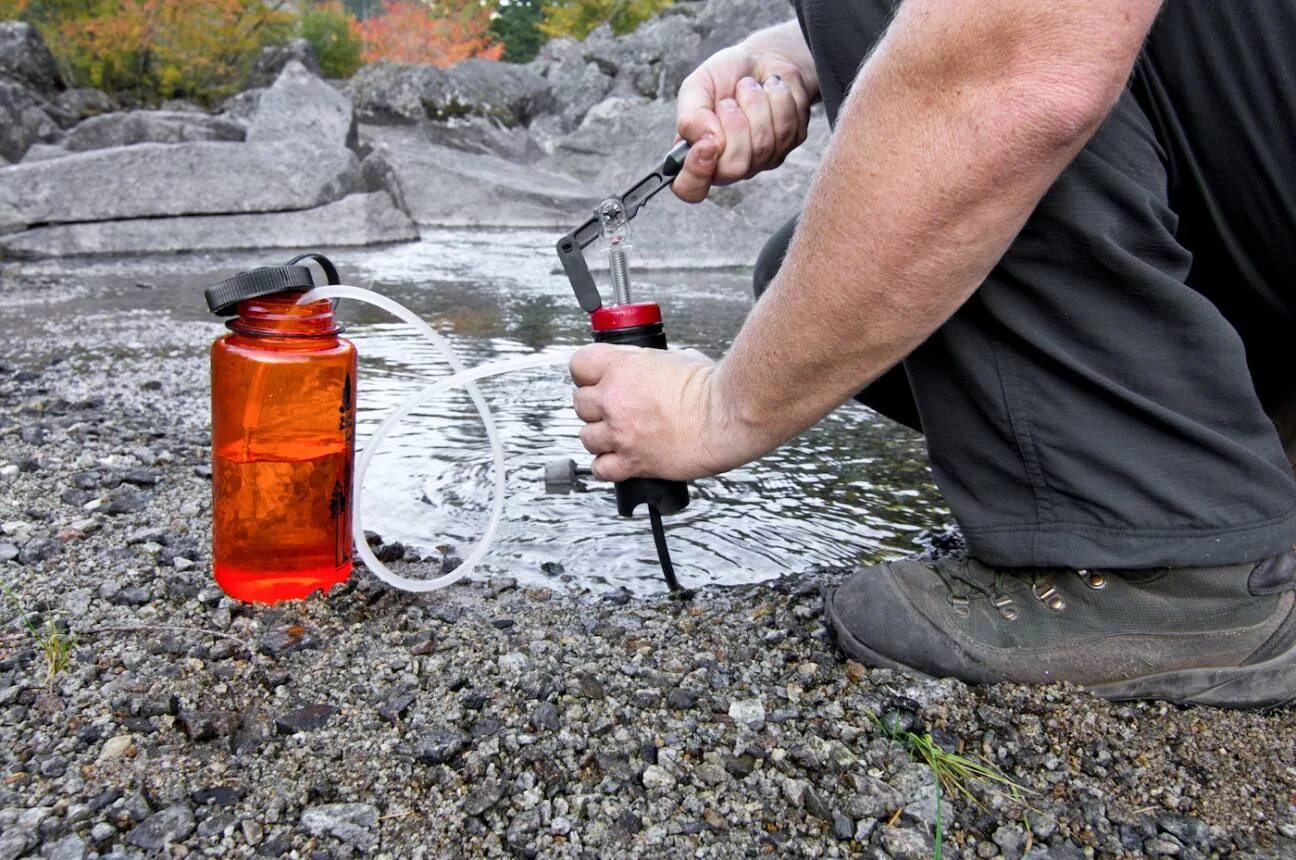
pixel 668 497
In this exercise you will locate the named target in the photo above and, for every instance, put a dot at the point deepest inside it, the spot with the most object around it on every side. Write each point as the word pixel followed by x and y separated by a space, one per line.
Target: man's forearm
pixel 955 127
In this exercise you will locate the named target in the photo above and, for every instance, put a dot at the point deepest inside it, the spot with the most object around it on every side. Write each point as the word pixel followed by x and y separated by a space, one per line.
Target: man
pixel 1074 222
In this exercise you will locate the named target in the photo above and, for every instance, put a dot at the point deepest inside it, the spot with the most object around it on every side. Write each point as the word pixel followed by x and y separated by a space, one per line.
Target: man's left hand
pixel 655 413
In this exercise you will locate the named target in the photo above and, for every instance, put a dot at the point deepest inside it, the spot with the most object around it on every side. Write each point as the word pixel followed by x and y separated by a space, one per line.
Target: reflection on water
pixel 853 489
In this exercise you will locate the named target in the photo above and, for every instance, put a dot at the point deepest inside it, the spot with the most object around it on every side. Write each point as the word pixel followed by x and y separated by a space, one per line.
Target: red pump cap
pixel 625 316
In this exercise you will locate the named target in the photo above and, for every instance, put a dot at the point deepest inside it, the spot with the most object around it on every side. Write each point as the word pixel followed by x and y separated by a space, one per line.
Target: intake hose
pixel 462 377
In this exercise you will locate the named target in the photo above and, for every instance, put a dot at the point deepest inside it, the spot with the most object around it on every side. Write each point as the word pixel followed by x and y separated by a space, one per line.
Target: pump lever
pixel 633 199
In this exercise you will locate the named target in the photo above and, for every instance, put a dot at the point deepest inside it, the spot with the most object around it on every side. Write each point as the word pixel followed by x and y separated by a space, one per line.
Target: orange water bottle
pixel 283 436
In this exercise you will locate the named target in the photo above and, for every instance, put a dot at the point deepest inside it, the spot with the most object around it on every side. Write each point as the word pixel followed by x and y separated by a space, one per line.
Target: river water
pixel 854 489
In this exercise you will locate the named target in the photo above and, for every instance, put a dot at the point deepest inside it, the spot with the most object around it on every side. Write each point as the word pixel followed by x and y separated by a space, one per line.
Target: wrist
pixel 741 427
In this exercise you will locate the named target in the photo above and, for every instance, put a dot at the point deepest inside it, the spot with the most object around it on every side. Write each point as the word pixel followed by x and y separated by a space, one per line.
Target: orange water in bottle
pixel 283 446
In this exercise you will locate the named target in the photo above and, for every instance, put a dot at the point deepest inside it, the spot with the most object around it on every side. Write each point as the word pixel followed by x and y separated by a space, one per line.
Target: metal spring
pixel 620 275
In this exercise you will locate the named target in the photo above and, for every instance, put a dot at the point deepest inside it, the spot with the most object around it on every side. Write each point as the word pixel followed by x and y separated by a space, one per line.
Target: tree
pixel 332 31
pixel 516 24
pixel 576 18
pixel 439 34
pixel 151 49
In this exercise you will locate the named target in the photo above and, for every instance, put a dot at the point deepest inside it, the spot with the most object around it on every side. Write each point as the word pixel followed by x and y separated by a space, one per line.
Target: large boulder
pixel 149 126
pixel 507 92
pixel 577 82
pixel 300 105
pixel 617 142
pixel 484 136
pixel 81 103
pixel 449 187
pixel 151 180
pixel 25 59
pixel 275 58
pixel 652 60
pixel 361 219
pixel 726 22
pixel 25 118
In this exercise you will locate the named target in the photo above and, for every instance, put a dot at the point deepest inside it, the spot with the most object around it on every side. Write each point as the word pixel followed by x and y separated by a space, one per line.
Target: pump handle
pixel 633 199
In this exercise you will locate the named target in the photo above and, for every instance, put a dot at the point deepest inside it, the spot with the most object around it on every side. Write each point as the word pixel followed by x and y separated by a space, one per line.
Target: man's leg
pixel 1090 407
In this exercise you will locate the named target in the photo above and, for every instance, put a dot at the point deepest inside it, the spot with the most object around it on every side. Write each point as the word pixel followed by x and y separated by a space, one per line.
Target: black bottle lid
pixel 223 298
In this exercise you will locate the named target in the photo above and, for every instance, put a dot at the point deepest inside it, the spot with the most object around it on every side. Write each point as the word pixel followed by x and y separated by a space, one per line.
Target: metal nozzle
pixel 615 228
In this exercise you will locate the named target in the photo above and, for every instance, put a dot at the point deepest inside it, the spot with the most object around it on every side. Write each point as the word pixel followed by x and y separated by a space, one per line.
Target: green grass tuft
pixel 53 643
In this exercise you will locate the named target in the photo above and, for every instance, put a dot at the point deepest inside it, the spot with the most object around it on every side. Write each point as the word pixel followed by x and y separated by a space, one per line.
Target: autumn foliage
pixel 438 34
pixel 151 49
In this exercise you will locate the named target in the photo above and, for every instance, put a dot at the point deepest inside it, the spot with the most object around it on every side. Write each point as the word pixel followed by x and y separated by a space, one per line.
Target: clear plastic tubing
pixel 462 377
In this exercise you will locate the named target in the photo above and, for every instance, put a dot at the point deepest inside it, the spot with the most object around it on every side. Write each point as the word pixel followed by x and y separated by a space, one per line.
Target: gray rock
pixel 39 549
pixel 448 187
pixel 1185 828
pixel 282 641
pixel 656 777
pixel 510 93
pixel 904 844
pixel 578 82
pixel 242 107
pixel 132 596
pixel 275 58
pixel 149 126
pixel 843 827
pixel 483 797
pixel 300 106
pixel 14 843
pixel 71 847
pixel 8 552
pixel 748 712
pixel 102 833
pixel 726 21
pixel 523 826
pixel 361 219
pixel 872 798
pixel 350 822
pixel 206 725
pixel 171 825
pixel 545 717
pixel 439 746
pixel 81 103
pixel 124 500
pixel 308 718
pixel 25 59
pixel 379 175
pixel 25 118
pixel 484 135
pixel 43 152
pixel 152 179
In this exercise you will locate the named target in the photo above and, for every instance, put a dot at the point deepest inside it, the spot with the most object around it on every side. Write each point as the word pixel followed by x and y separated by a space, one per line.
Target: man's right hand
pixel 744 110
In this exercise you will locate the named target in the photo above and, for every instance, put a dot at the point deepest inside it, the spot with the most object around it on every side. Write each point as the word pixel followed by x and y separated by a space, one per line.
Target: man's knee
pixel 770 259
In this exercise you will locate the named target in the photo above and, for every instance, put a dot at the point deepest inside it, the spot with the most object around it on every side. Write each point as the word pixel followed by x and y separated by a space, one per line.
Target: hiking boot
pixel 1223 636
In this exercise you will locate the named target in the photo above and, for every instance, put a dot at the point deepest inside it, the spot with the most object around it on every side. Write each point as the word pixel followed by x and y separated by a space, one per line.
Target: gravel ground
pixel 493 719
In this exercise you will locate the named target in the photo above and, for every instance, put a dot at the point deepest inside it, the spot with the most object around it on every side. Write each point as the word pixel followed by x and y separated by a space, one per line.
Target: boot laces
pixel 972 589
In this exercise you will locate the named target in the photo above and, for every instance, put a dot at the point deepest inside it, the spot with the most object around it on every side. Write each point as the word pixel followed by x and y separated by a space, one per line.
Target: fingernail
pixel 728 104
pixel 773 81
pixel 749 84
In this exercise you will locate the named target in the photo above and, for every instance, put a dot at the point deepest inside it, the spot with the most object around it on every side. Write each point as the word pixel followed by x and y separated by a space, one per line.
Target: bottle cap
pixel 224 297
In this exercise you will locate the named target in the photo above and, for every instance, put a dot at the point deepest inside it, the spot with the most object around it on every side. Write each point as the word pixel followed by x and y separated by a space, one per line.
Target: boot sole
pixel 1264 686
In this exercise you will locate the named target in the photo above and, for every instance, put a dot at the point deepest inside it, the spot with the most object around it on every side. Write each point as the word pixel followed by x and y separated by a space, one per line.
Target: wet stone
pixel 307 718
pixel 439 746
pixel 171 825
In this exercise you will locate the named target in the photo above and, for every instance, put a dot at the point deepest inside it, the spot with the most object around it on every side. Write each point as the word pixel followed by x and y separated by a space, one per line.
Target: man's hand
pixel 655 413
pixel 744 110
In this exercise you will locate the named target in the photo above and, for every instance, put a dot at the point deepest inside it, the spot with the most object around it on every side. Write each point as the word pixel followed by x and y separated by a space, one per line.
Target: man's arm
pixel 956 125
